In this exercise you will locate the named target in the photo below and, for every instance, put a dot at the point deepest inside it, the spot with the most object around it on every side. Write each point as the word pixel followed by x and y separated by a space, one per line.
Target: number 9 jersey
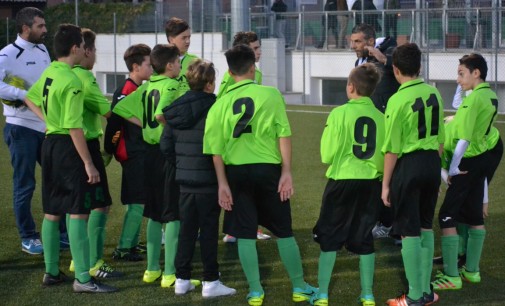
pixel 414 124
pixel 352 140
pixel 244 125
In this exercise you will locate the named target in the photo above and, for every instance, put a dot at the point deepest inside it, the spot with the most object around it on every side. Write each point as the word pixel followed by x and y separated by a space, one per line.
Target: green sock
pixel 411 248
pixel 366 271
pixel 79 246
pixel 131 225
pixel 96 234
pixel 450 254
pixel 325 268
pixel 290 256
pixel 171 242
pixel 51 240
pixel 248 256
pixel 427 253
pixel 474 250
pixel 153 245
pixel 463 237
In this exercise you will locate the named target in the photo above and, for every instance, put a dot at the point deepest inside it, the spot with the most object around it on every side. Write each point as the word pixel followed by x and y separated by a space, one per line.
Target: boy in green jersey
pixel 96 106
pixel 129 151
pixel 351 200
pixel 249 39
pixel 179 33
pixel 68 169
pixel 468 168
pixel 412 147
pixel 162 194
pixel 247 132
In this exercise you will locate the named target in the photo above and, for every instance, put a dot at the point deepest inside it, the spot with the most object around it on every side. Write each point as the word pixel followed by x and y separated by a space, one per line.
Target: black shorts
pixel 100 195
pixel 64 180
pixel 132 181
pixel 494 159
pixel 349 211
pixel 413 192
pixel 256 201
pixel 162 193
pixel 463 199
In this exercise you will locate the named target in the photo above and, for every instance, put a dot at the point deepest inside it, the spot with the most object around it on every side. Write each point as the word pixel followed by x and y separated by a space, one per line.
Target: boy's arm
pixel 390 160
pixel 35 109
pixel 224 192
pixel 82 148
pixel 459 152
pixel 135 121
pixel 285 188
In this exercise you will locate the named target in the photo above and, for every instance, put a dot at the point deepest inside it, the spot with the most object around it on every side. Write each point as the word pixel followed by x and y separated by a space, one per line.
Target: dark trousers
pixel 198 212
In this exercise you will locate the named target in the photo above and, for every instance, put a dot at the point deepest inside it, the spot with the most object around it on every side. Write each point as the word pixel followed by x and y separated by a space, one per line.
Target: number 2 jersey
pixel 159 92
pixel 414 119
pixel 244 125
pixel 352 141
pixel 58 92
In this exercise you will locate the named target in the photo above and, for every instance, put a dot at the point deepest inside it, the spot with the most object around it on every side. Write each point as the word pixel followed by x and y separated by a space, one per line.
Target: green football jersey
pixel 414 119
pixel 95 104
pixel 352 139
pixel 153 96
pixel 58 92
pixel 245 124
pixel 228 81
pixel 492 138
pixel 186 60
pixel 475 118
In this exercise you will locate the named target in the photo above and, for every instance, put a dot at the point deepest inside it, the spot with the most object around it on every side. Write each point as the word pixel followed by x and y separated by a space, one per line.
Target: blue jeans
pixel 25 147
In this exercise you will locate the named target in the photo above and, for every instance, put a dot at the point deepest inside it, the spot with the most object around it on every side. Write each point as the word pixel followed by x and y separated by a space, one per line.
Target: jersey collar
pixel 482 86
pixel 240 84
pixel 26 44
pixel 410 84
pixel 362 100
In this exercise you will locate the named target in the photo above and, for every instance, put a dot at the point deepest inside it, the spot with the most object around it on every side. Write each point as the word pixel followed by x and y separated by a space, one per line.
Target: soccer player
pixel 412 148
pixel 199 209
pixel 68 170
pixel 179 33
pixel 161 191
pixel 96 106
pixel 351 200
pixel 129 150
pixel 247 131
pixel 468 168
pixel 21 64
pixel 249 39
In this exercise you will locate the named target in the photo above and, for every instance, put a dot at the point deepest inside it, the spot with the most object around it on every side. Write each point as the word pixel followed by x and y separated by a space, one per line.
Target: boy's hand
pixel 385 196
pixel 285 188
pixel 225 198
pixel 484 210
pixel 116 137
pixel 93 174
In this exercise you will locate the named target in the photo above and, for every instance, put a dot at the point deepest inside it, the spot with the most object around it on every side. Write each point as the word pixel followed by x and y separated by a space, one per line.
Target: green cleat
pixel 471 277
pixel 303 295
pixel 255 298
pixel 367 300
pixel 168 281
pixel 151 276
pixel 319 299
pixel 446 282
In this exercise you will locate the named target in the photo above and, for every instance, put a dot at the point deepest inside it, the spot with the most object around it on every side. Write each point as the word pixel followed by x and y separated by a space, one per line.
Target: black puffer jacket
pixel 183 137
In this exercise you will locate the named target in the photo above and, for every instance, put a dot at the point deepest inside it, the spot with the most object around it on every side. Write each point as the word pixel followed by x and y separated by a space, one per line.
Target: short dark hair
pixel 199 74
pixel 474 61
pixel 407 58
pixel 175 26
pixel 364 28
pixel 161 55
pixel 89 38
pixel 365 79
pixel 67 36
pixel 240 58
pixel 135 54
pixel 25 17
pixel 244 38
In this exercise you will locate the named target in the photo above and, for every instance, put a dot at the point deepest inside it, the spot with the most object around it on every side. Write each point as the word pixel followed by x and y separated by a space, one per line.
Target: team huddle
pixel 186 154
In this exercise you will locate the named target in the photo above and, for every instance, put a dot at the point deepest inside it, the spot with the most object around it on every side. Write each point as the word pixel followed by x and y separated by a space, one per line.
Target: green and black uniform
pixel 244 127
pixel 228 81
pixel 59 94
pixel 162 193
pixel 414 131
pixel 350 144
pixel 186 60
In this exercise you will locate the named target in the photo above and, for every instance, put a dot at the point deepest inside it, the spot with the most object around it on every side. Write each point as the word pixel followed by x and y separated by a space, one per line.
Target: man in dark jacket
pixel 336 23
pixel 182 139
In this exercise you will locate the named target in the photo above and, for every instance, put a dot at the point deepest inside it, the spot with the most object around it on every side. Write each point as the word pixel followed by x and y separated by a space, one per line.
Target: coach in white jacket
pixel 21 64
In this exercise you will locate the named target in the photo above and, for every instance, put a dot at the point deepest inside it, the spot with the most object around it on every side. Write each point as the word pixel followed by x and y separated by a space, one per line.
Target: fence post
pixel 303 50
pixel 7 31
pixel 115 51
